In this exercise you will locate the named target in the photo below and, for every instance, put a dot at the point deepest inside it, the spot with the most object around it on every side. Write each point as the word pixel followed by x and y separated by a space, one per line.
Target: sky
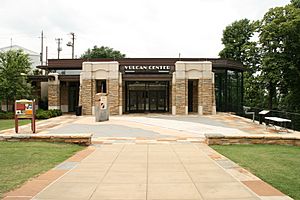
pixel 138 28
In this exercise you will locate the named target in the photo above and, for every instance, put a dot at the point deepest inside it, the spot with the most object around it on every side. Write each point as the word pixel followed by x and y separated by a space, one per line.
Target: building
pixel 142 85
pixel 35 60
pixel 33 56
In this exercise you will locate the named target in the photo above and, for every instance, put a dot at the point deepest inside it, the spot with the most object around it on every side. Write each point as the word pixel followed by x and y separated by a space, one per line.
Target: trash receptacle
pixel 101 107
pixel 78 110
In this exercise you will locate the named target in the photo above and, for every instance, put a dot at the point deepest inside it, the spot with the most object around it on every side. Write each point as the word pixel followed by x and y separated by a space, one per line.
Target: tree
pixel 280 47
pixel 102 52
pixel 272 78
pixel 239 47
pixel 235 37
pixel 296 3
pixel 14 66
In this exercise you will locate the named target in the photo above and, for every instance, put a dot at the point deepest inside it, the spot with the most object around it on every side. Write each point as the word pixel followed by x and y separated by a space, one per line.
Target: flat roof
pixel 218 63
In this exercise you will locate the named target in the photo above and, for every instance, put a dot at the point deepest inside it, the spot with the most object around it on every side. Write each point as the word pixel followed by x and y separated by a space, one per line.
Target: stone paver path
pixel 147 171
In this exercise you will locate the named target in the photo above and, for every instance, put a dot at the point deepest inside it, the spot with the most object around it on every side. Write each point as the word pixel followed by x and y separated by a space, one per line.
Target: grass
pixel 10 123
pixel 275 164
pixel 22 160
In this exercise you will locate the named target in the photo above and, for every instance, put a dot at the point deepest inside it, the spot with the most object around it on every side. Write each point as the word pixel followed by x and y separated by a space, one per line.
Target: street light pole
pixel 72 44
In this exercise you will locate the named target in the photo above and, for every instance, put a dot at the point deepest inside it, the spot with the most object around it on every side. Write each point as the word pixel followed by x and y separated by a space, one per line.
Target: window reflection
pixel 228 90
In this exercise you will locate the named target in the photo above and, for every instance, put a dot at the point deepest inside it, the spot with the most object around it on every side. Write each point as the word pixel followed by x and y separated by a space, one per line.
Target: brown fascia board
pixel 77 63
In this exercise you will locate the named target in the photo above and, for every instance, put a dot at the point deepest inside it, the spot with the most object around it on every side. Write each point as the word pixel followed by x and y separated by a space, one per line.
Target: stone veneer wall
pixel 113 96
pixel 181 96
pixel 53 92
pixel 207 96
pixel 219 139
pixel 93 71
pixel 201 71
pixel 81 139
pixel 86 96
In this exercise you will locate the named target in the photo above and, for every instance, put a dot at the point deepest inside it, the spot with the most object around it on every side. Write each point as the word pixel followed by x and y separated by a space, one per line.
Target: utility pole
pixel 42 48
pixel 46 55
pixel 72 44
pixel 59 49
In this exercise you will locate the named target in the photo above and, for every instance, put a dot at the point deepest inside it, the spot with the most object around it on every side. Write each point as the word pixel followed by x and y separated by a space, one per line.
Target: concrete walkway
pixel 157 171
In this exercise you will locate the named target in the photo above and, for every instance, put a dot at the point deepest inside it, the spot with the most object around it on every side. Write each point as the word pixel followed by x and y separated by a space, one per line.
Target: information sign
pixel 25 109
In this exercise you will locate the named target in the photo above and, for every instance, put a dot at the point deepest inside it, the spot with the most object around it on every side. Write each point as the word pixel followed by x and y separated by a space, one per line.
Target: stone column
pixel 195 70
pixel 86 97
pixel 53 91
pixel 207 91
pixel 120 94
pixel 86 88
pixel 113 96
pixel 173 101
pixel 113 88
pixel 214 109
pixel 93 71
pixel 181 102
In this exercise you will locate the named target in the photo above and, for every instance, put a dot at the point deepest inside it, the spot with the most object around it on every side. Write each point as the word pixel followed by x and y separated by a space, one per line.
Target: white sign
pixel 103 102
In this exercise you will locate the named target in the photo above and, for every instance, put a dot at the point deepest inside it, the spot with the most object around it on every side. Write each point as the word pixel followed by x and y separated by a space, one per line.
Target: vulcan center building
pixel 179 86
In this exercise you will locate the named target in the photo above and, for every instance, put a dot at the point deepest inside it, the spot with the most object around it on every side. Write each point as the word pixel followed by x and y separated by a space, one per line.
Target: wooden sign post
pixel 25 109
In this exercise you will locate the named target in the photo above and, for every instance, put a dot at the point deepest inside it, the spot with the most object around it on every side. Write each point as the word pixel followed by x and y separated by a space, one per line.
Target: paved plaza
pixel 148 157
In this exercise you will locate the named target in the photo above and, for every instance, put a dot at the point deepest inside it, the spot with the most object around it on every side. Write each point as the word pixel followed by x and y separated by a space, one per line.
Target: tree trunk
pixel 271 96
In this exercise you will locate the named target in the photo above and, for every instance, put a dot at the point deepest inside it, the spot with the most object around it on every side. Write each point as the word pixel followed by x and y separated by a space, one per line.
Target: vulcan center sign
pixel 146 68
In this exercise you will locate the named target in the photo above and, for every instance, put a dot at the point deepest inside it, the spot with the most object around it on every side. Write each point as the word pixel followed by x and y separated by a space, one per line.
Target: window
pixel 101 86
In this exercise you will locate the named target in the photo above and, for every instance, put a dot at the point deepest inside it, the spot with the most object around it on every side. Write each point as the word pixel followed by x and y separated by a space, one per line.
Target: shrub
pixel 6 115
pixel 46 114
pixel 42 114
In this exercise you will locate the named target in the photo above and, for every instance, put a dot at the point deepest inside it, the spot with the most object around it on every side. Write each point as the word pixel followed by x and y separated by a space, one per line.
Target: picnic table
pixel 277 120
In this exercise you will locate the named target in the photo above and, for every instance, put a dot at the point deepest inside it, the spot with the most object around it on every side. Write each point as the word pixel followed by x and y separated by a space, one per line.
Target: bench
pixel 249 113
pixel 277 120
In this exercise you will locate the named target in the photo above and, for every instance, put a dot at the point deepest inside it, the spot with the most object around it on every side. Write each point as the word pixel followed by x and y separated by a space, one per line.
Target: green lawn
pixel 276 164
pixel 10 123
pixel 20 161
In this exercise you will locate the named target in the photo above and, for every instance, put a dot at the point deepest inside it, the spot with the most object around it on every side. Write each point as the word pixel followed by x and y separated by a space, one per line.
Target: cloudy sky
pixel 138 28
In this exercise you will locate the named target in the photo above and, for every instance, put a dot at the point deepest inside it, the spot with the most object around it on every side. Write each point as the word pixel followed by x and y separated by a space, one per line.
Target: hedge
pixel 46 114
pixel 40 114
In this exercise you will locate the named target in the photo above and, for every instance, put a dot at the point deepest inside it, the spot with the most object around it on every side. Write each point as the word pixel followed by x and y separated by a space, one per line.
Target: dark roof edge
pixel 77 63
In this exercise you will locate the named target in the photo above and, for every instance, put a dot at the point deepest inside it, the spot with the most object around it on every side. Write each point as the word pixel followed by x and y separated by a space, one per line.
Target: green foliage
pixel 6 115
pixel 238 47
pixel 21 161
pixel 275 164
pixel 14 66
pixel 102 52
pixel 272 61
pixel 46 114
pixel 10 123
pixel 280 48
pixel 296 3
pixel 235 38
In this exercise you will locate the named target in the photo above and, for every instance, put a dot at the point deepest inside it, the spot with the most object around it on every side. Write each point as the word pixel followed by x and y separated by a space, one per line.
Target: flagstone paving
pixel 148 157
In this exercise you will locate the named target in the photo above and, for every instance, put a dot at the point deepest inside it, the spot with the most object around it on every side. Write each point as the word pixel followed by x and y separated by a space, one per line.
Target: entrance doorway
pixel 147 96
pixel 73 96
pixel 192 95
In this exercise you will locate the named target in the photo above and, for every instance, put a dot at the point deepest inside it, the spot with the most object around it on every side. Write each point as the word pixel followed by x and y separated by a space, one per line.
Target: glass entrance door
pixel 141 101
pixel 147 96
